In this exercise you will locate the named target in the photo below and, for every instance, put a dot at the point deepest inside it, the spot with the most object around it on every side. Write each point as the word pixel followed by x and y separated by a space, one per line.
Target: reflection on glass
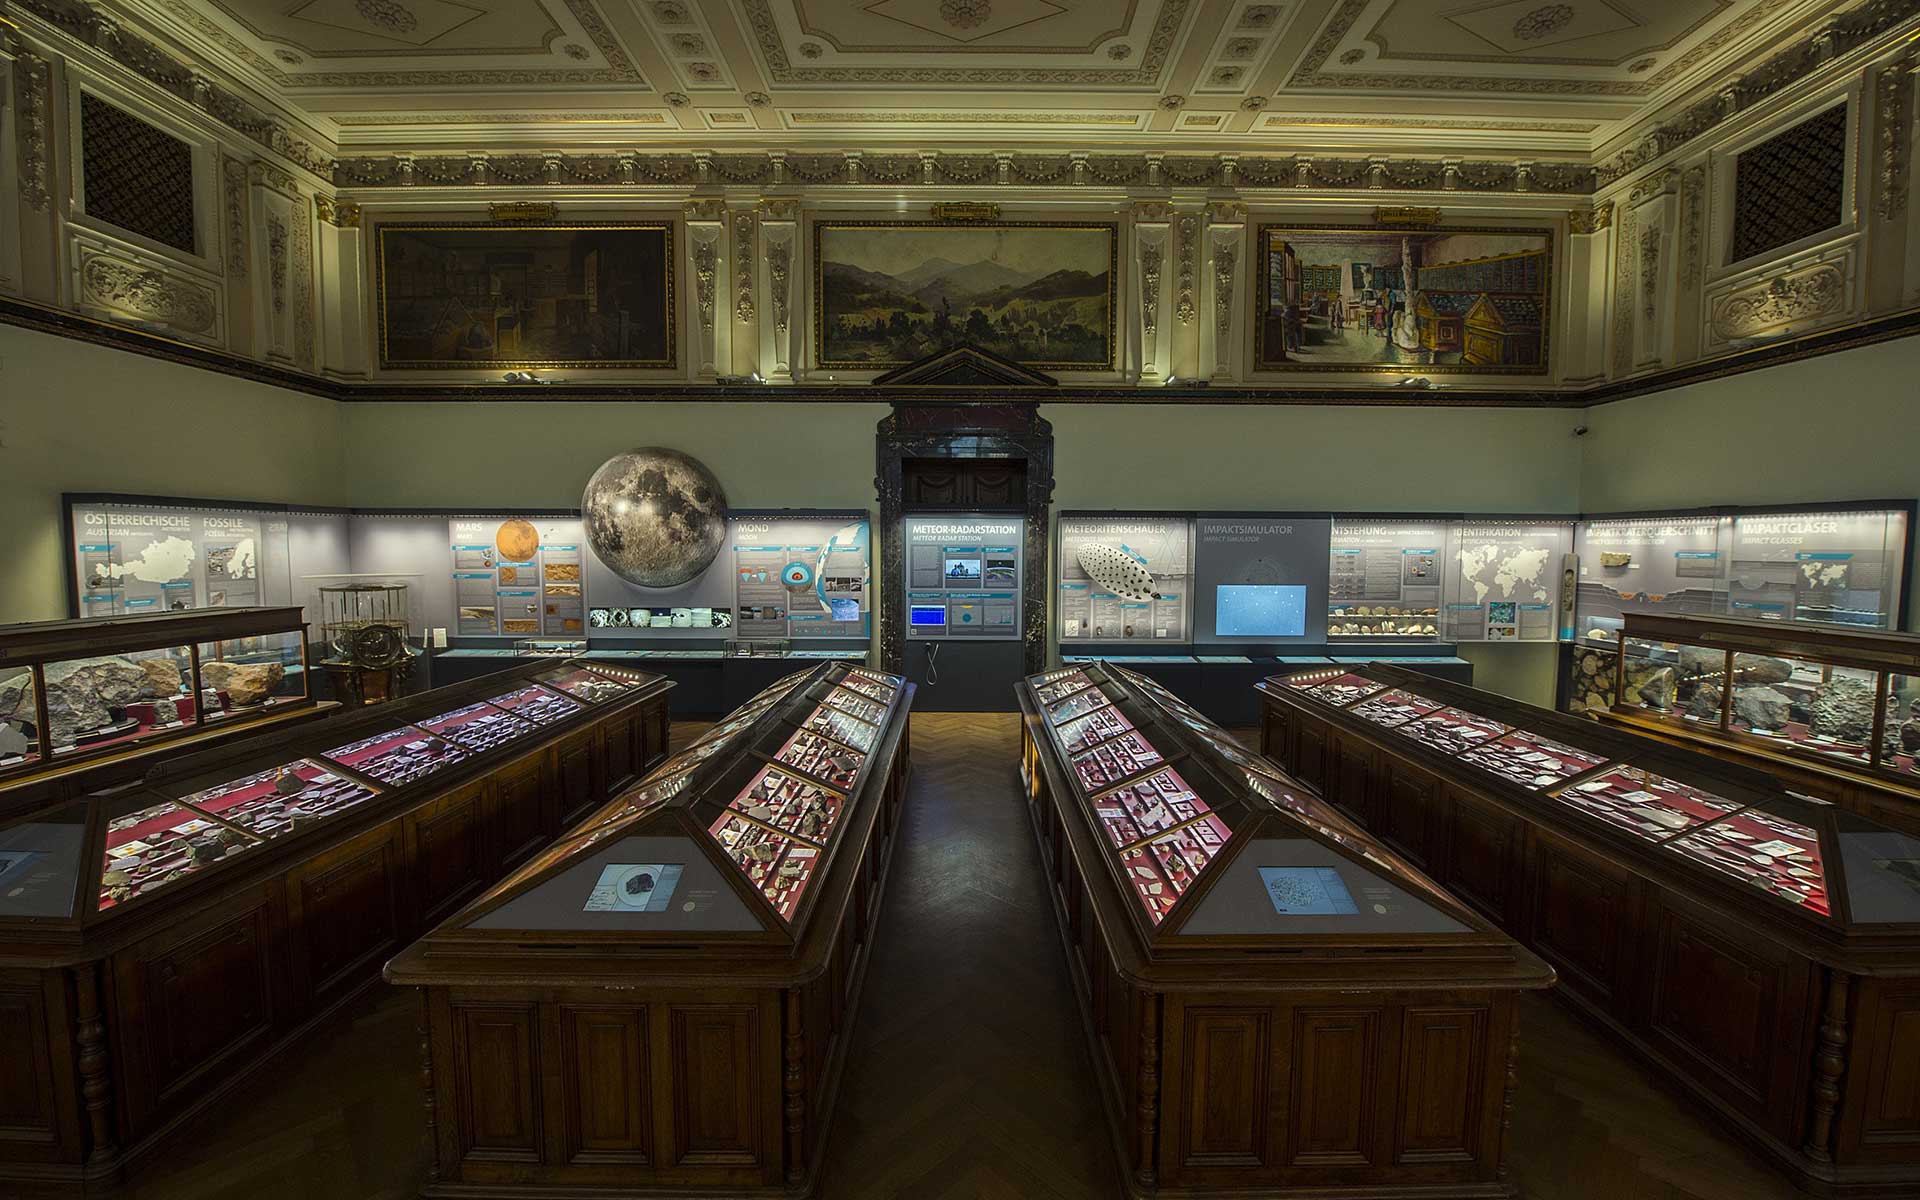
pixel 121 698
pixel 857 706
pixel 590 686
pixel 1672 682
pixel 40 863
pixel 1091 730
pixel 252 674
pixel 821 758
pixel 1530 760
pixel 154 846
pixel 1393 706
pixel 399 756
pixel 1077 705
pixel 1060 686
pixel 537 704
pixel 270 803
pixel 19 717
pixel 1900 750
pixel 1648 805
pixel 1343 690
pixel 774 862
pixel 478 727
pixel 1776 854
pixel 1114 761
pixel 880 693
pixel 842 728
pixel 1452 730
pixel 1809 707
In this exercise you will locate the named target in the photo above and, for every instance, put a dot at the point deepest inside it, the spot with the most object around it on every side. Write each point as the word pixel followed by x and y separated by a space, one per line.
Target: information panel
pixel 1666 564
pixel 130 560
pixel 1261 579
pixel 517 576
pixel 1384 580
pixel 963 576
pixel 1504 580
pixel 1832 567
pixel 1125 579
pixel 777 577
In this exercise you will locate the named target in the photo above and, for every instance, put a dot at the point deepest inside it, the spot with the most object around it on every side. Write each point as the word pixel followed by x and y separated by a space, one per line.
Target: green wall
pixel 81 418
pixel 75 417
pixel 1840 427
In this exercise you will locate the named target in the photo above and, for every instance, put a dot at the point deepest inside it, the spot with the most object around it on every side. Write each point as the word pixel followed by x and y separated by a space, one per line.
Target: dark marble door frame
pixel 1005 430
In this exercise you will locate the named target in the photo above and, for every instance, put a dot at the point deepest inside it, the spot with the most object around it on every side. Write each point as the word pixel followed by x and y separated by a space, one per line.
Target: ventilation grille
pixel 1790 186
pixel 137 177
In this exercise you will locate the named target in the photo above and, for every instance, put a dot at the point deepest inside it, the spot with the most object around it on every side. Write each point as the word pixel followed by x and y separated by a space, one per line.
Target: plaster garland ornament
pixel 1225 259
pixel 147 295
pixel 277 260
pixel 705 267
pixel 233 176
pixel 34 76
pixel 303 331
pixel 1183 306
pixel 1896 87
pixel 1649 273
pixel 1693 191
pixel 390 15
pixel 779 251
pixel 1796 296
pixel 1150 286
pixel 1623 258
pixel 743 310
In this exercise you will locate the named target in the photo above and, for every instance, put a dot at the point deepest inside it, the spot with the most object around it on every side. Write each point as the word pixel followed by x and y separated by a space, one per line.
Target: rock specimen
pixel 1761 668
pixel 244 683
pixel 1910 737
pixel 163 675
pixel 1842 709
pixel 1703 704
pixel 1760 708
pixel 81 695
pixel 1658 688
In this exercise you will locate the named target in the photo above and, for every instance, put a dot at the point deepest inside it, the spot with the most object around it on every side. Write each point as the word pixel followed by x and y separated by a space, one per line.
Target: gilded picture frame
pixel 1041 293
pixel 1334 298
pixel 526 295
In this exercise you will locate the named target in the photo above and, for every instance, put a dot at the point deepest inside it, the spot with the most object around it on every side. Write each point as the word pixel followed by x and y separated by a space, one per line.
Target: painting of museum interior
pixel 1462 299
pixel 960 600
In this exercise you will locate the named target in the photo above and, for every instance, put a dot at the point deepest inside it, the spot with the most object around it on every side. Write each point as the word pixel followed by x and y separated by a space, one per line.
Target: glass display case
pixel 78 690
pixel 737 885
pixel 1182 865
pixel 1743 826
pixel 1835 697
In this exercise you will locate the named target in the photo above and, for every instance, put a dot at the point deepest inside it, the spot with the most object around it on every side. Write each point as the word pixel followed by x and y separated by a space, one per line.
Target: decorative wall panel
pixel 138 178
pixel 1791 186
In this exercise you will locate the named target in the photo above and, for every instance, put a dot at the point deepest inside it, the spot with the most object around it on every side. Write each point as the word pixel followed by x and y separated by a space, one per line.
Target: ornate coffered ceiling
pixel 1556 78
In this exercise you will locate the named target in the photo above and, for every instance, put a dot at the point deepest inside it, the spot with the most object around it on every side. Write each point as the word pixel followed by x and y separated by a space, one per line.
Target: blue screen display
pixel 1263 610
pixel 922 615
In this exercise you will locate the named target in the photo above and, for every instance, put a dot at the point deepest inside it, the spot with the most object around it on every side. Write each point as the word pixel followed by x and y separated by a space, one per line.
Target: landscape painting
pixel 1358 298
pixel 892 293
pixel 526 296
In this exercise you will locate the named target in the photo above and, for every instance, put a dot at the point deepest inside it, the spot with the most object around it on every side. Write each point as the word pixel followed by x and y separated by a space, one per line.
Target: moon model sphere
pixel 655 516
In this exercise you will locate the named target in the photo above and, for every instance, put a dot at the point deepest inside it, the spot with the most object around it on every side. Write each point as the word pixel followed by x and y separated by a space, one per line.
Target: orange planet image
pixel 518 541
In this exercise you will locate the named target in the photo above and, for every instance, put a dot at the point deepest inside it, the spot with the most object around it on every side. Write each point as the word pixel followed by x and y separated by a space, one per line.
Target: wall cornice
pixel 65 324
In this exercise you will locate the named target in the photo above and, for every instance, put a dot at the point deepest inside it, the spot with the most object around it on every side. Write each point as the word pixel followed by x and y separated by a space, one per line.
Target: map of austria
pixel 170 558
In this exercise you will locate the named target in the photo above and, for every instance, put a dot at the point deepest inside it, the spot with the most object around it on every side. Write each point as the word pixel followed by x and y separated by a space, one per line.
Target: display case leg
pixel 1828 1065
pixel 1149 1086
pixel 795 1089
pixel 96 1076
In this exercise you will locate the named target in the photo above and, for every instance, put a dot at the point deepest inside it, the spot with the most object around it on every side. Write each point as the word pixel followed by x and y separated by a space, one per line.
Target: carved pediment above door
pixel 965 367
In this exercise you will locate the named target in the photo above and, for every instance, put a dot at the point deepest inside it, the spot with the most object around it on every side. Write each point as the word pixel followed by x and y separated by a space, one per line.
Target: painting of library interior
pixel 1469 300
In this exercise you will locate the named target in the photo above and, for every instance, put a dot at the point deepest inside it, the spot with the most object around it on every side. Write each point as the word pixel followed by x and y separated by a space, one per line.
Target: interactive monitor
pixel 1260 610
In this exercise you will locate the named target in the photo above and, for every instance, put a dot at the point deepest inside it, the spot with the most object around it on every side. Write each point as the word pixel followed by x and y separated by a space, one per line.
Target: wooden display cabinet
pixel 163 938
pixel 660 1003
pixel 1759 947
pixel 1831 710
pixel 112 693
pixel 1277 1004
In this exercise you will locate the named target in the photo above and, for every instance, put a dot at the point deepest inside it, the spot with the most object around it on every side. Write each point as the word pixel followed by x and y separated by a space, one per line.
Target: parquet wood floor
pixel 968 1077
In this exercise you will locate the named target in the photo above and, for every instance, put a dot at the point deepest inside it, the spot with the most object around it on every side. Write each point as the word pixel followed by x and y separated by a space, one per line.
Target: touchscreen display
pixel 634 887
pixel 1308 892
